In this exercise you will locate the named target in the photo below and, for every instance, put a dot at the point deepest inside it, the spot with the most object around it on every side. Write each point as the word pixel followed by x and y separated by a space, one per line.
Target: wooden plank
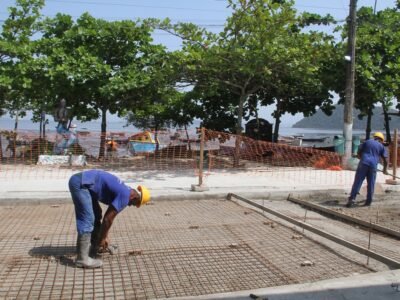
pixel 386 260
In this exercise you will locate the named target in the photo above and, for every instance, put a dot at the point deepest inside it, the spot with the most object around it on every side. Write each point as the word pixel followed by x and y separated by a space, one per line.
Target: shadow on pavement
pixel 63 254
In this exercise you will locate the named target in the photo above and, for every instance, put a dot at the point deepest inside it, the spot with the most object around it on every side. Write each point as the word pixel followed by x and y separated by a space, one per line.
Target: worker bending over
pixel 88 188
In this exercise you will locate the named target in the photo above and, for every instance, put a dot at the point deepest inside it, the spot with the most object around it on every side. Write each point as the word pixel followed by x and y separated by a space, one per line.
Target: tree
pixel 162 99
pixel 301 86
pixel 377 62
pixel 164 102
pixel 16 56
pixel 98 66
pixel 215 107
pixel 262 49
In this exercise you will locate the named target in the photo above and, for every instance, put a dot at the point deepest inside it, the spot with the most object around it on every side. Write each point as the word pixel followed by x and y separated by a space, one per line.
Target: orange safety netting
pixel 228 150
pixel 26 152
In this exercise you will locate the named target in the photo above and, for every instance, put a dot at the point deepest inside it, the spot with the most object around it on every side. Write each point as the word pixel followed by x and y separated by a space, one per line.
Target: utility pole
pixel 350 78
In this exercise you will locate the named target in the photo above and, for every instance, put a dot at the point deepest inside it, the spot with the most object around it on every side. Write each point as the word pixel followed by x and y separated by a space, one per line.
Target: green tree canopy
pixel 16 56
pixel 262 49
pixel 377 62
pixel 97 65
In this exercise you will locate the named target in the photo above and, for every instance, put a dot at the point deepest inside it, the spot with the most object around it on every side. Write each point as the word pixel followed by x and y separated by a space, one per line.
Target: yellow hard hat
pixel 144 194
pixel 379 135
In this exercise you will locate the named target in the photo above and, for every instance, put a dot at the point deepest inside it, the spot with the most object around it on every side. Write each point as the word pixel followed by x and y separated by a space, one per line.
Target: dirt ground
pixel 384 211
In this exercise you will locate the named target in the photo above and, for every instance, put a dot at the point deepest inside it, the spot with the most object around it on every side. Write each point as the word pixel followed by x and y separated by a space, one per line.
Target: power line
pixel 171 7
pixel 320 7
pixel 133 5
pixel 166 7
pixel 210 22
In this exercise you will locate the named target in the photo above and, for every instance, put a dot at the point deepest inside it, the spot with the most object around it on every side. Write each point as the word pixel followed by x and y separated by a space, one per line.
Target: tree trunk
pixel 187 138
pixel 43 124
pixel 103 133
pixel 44 127
pixel 1 148
pixel 276 127
pixel 240 114
pixel 16 122
pixel 236 159
pixel 369 120
pixel 40 127
pixel 156 135
pixel 258 125
pixel 387 124
pixel 277 115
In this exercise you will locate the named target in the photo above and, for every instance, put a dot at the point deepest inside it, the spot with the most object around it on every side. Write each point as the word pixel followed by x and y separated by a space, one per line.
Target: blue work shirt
pixel 106 188
pixel 371 152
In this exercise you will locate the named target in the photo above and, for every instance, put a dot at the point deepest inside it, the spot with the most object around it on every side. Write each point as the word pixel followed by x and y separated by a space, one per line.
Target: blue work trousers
pixel 364 171
pixel 87 211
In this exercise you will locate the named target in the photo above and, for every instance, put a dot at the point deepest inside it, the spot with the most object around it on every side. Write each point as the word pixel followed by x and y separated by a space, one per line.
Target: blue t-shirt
pixel 371 152
pixel 107 188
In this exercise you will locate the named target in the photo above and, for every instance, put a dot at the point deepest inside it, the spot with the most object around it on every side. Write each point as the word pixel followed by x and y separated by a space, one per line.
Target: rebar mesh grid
pixel 383 212
pixel 168 249
pixel 377 242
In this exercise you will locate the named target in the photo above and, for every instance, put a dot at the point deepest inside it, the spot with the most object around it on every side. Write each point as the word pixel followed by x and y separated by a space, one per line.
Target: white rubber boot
pixel 84 260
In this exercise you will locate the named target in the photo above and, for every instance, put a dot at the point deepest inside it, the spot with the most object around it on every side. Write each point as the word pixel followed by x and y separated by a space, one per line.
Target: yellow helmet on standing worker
pixel 379 135
pixel 144 194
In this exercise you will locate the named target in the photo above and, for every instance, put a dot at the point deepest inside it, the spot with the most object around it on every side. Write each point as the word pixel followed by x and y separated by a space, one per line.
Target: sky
pixel 210 14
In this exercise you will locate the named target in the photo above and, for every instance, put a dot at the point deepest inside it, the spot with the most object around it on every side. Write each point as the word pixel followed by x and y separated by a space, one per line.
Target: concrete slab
pixel 46 271
pixel 167 249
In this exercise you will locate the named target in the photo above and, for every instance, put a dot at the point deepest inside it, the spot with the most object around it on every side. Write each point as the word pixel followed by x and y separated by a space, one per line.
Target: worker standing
pixel 88 188
pixel 370 152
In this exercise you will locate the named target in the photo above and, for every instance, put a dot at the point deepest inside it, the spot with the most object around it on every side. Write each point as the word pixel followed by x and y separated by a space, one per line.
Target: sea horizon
pixel 120 126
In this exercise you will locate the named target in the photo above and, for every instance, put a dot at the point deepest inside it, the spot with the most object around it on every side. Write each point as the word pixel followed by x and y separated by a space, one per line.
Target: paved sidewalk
pixel 48 185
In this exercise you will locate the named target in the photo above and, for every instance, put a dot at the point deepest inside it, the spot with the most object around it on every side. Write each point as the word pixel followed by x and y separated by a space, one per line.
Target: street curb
pixel 64 197
pixel 379 285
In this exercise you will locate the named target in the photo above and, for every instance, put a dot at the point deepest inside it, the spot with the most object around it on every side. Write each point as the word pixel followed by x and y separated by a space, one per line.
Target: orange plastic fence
pixel 27 152
pixel 232 151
